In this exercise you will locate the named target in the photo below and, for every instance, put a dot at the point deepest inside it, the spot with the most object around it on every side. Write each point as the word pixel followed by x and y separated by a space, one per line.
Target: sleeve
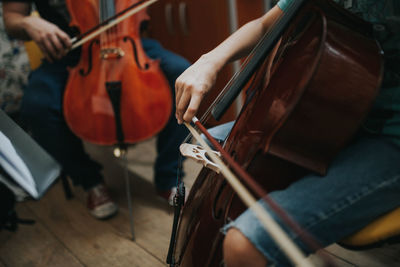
pixel 284 4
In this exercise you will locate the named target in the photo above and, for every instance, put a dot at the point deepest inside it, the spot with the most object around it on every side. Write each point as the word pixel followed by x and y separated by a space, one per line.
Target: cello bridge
pixel 199 154
pixel 111 53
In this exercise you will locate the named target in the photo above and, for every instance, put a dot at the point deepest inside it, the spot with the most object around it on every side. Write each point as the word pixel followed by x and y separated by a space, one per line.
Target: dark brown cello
pixel 324 78
pixel 115 94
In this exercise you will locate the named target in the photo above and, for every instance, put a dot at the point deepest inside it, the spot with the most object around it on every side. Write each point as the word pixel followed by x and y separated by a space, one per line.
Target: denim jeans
pixel 170 138
pixel 362 183
pixel 41 110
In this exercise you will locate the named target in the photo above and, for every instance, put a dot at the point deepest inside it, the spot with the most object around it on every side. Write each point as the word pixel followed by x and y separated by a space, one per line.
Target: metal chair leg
pixel 121 152
pixel 66 187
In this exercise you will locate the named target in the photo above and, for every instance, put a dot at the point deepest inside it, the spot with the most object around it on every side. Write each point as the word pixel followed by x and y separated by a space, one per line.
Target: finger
pixel 193 107
pixel 65 40
pixel 44 52
pixel 57 45
pixel 49 48
pixel 181 106
pixel 179 88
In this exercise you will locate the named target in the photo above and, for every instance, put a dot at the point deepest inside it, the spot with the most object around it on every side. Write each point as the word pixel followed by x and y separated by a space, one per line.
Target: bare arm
pixel 14 15
pixel 52 41
pixel 197 80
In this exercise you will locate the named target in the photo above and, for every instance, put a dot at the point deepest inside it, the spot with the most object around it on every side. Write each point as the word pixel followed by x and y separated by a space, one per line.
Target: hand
pixel 191 87
pixel 52 41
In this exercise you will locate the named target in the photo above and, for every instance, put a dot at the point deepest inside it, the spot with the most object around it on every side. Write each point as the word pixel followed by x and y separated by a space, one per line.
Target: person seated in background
pixel 42 102
pixel 362 182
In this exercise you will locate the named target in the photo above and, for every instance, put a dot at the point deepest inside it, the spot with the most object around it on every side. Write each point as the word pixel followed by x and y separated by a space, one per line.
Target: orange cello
pixel 115 94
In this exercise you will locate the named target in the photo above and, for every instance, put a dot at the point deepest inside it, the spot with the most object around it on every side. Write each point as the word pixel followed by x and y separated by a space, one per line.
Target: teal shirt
pixel 384 117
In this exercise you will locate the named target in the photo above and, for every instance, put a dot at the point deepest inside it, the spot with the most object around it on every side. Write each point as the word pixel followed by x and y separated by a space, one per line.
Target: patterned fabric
pixel 14 70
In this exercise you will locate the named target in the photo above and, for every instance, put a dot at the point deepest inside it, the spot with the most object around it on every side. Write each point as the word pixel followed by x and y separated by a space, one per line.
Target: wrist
pixel 214 61
pixel 25 26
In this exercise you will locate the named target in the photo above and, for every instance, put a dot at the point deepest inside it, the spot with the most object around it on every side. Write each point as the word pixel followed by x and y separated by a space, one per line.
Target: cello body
pixel 323 81
pixel 115 94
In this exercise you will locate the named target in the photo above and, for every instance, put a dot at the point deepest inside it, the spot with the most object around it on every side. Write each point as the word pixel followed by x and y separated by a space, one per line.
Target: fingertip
pixel 49 59
pixel 187 118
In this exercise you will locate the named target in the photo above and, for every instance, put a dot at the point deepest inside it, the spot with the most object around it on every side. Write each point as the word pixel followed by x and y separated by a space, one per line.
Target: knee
pixel 32 110
pixel 173 66
pixel 239 251
pixel 40 106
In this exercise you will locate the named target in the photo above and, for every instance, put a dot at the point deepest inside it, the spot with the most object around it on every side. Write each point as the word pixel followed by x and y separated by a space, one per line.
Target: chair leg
pixel 66 187
pixel 128 191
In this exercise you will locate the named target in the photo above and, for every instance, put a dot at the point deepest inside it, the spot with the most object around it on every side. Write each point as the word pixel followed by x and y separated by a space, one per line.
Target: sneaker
pixel 99 202
pixel 168 195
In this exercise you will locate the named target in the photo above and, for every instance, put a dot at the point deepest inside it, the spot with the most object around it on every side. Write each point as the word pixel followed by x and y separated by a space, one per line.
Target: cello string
pixel 101 18
pixel 207 114
pixel 110 32
pixel 107 32
pixel 111 12
pixel 249 66
pixel 103 22
pixel 78 41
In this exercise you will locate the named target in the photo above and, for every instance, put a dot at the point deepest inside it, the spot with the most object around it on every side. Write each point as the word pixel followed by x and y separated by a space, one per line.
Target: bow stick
pixel 278 235
pixel 92 33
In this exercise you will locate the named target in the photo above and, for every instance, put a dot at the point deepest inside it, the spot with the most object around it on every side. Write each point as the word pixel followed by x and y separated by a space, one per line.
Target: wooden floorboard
pixel 152 216
pixel 65 234
pixel 383 256
pixel 95 243
pixel 337 261
pixel 34 245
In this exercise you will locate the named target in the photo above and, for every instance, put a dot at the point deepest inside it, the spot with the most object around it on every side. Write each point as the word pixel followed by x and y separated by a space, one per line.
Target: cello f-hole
pixel 82 72
pixel 146 65
pixel 218 212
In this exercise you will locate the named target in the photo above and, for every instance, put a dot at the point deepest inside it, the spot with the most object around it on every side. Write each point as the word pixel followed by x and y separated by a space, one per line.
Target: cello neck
pixel 106 9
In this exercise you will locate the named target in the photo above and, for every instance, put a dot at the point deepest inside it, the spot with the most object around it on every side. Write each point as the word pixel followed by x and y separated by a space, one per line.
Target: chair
pixel 385 229
pixel 34 54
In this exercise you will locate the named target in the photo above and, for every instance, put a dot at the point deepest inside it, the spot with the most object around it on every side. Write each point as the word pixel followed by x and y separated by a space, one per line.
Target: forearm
pixel 15 26
pixel 240 43
pixel 237 45
pixel 198 79
pixel 16 19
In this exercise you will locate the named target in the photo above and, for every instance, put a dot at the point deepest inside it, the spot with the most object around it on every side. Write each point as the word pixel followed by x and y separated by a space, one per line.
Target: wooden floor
pixel 65 234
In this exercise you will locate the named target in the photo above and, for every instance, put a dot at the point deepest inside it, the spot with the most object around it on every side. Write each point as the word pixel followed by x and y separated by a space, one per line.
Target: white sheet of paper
pixel 15 167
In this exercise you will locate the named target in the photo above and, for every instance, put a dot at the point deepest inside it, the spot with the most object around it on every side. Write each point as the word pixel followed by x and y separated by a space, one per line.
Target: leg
pixel 330 207
pixel 42 110
pixel 236 245
pixel 173 134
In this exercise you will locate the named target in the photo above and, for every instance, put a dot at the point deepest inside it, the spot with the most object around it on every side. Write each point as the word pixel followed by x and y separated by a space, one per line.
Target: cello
pixel 115 94
pixel 287 127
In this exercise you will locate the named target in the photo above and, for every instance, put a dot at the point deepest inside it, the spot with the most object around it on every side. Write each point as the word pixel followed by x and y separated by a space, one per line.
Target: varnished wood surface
pixel 65 234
